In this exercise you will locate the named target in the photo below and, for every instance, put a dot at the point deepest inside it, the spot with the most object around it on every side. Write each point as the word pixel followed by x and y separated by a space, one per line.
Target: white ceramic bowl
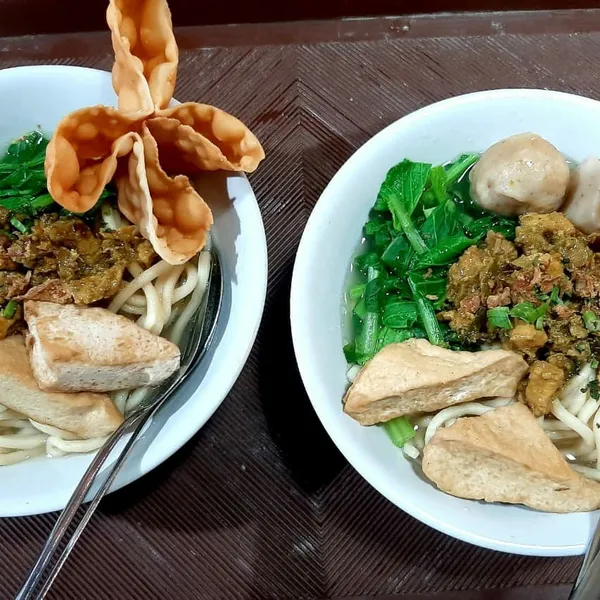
pixel 436 134
pixel 34 97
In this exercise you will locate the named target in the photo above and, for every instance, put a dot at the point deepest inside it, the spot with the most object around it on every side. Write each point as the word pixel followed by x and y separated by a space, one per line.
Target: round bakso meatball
pixel 523 173
pixel 582 206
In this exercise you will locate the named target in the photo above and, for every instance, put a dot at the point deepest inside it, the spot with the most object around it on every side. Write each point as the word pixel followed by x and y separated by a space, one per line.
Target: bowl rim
pixel 170 446
pixel 302 348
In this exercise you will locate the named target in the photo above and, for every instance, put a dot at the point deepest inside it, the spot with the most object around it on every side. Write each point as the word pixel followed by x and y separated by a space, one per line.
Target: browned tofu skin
pixel 545 381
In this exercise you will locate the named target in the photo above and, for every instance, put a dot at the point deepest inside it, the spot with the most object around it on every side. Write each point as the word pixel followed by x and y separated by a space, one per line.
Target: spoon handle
pixel 200 340
pixel 587 586
pixel 67 517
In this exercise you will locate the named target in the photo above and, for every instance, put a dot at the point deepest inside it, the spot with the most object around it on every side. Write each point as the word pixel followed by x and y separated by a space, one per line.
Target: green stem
pixel 428 318
pixel 410 231
pixel 455 172
pixel 399 431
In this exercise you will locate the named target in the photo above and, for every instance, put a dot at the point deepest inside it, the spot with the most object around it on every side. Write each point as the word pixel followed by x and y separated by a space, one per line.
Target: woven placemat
pixel 260 504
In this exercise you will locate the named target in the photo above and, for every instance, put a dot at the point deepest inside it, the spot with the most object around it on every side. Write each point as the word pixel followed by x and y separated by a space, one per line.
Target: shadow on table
pixel 307 450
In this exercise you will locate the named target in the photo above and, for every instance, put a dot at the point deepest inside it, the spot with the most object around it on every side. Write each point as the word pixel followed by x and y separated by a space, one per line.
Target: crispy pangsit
pixel 82 155
pixel 146 54
pixel 168 210
pixel 204 137
pixel 150 148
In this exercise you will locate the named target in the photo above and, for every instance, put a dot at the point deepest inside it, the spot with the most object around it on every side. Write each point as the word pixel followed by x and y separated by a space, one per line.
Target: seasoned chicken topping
pixel 64 259
pixel 544 289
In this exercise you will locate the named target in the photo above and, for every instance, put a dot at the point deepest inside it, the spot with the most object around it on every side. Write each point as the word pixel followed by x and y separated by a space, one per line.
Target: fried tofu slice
pixel 86 415
pixel 416 376
pixel 505 456
pixel 75 349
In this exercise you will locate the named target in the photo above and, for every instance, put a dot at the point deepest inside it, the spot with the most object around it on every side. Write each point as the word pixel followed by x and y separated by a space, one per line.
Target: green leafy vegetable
pixel 504 225
pixel 594 388
pixel 446 251
pixel 350 353
pixel 22 175
pixel 427 315
pixel 360 310
pixel 373 289
pixel 387 335
pixel 400 314
pixel 438 180
pixel 441 223
pixel 363 261
pixel 431 285
pixel 422 221
pixel 400 431
pixel 375 224
pixel 397 254
pixel 401 191
pixel 456 170
pixel 10 309
pixel 366 340
pixel 357 291
pixel 499 317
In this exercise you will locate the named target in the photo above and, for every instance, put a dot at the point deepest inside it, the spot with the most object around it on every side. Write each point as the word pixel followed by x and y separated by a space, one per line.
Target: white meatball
pixel 523 173
pixel 582 206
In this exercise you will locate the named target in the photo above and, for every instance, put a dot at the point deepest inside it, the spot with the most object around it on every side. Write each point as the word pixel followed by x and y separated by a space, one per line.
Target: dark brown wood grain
pixel 25 17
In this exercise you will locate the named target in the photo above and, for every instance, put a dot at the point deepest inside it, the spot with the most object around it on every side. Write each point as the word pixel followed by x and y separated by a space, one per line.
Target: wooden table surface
pixel 260 504
pixel 26 17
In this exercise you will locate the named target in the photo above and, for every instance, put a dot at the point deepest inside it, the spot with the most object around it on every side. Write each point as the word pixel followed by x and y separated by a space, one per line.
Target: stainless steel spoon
pixel 51 559
pixel 587 586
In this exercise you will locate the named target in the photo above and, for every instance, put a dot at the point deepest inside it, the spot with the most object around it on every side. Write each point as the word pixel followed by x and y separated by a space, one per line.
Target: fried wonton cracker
pixel 81 157
pixel 146 54
pixel 199 136
pixel 94 145
pixel 168 210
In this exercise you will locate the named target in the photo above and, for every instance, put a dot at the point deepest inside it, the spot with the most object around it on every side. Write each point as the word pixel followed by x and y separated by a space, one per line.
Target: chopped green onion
pixel 528 312
pixel 498 317
pixel 554 296
pixel 594 363
pixel 18 225
pixel 10 309
pixel 591 321
pixel 399 431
